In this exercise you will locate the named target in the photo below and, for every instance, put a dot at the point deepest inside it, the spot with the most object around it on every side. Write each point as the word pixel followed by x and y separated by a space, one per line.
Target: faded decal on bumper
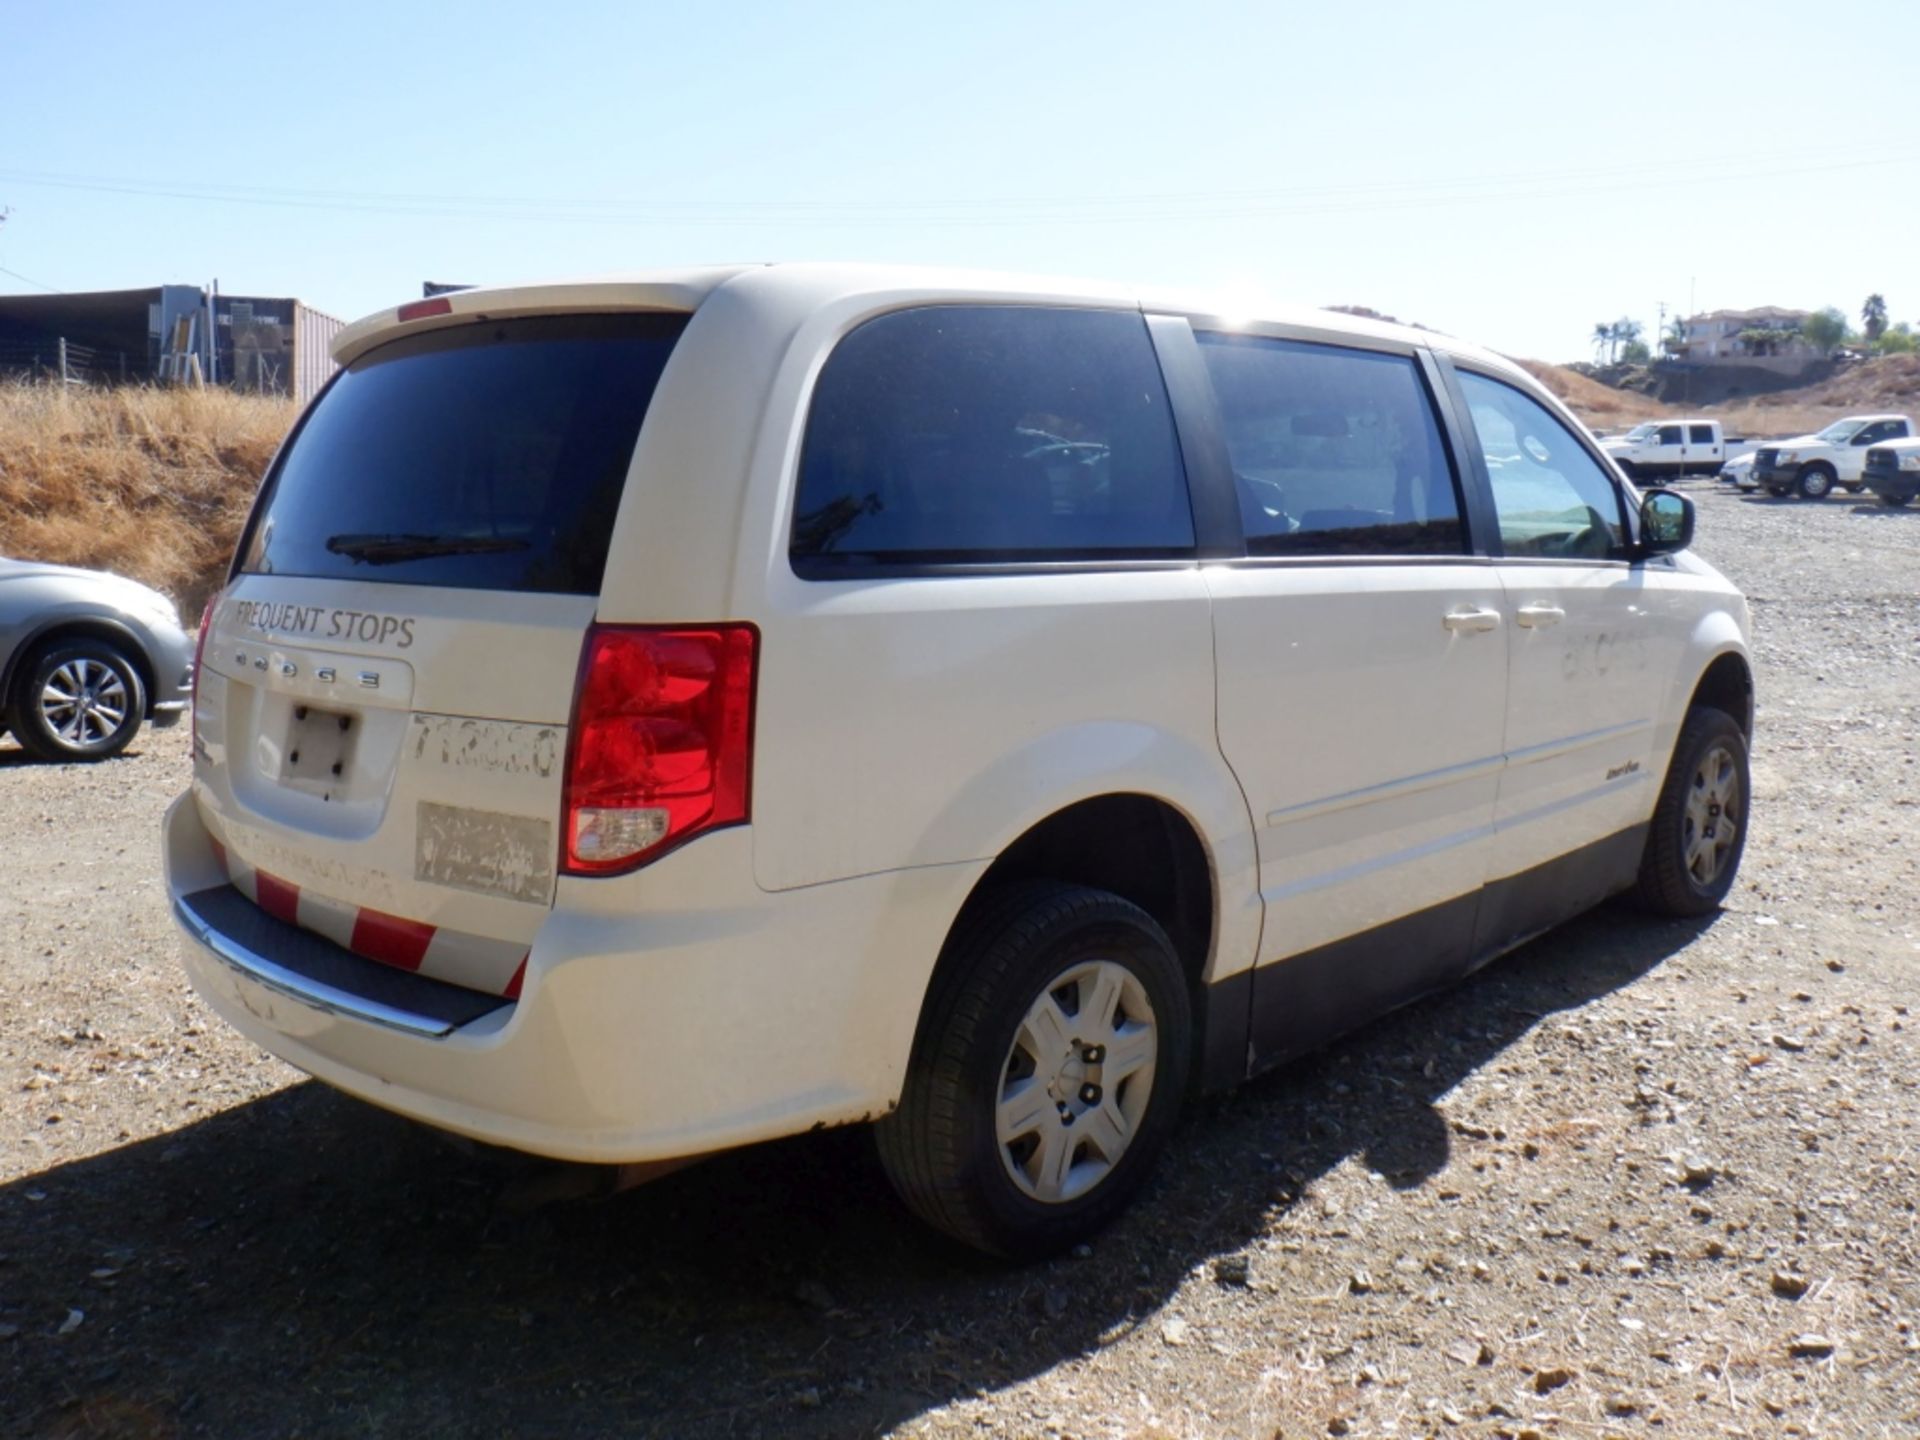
pixel 485 852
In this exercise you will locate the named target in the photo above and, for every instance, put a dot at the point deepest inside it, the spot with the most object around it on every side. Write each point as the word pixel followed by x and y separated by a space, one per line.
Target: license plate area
pixel 319 751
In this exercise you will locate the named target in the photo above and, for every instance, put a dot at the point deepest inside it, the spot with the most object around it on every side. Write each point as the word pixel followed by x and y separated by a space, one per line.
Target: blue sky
pixel 1507 172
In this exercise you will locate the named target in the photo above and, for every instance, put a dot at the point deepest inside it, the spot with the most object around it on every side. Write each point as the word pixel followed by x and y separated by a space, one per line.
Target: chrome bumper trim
pixel 318 996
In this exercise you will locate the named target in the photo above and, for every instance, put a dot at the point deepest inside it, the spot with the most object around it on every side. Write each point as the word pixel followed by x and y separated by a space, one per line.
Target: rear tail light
pixel 199 655
pixel 661 744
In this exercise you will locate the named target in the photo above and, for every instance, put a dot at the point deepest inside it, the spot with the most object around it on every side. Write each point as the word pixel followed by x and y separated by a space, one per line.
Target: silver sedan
pixel 85 659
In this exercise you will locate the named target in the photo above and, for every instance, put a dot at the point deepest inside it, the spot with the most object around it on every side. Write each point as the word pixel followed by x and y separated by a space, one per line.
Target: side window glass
pixel 982 433
pixel 1552 497
pixel 1700 434
pixel 1334 451
pixel 1670 435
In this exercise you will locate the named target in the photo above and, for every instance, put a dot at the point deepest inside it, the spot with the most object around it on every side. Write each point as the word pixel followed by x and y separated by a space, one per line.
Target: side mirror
pixel 1666 522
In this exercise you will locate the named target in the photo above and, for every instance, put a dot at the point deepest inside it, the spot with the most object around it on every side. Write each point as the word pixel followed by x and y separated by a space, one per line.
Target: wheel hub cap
pixel 1076 1081
pixel 1711 821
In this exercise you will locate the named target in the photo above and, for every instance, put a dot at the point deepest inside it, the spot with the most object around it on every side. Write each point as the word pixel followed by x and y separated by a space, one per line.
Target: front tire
pixel 77 700
pixel 1889 497
pixel 1047 1071
pixel 1816 482
pixel 1699 827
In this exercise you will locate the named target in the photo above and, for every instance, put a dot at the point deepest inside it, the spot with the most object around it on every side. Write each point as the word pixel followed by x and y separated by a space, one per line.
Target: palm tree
pixel 1602 338
pixel 1873 317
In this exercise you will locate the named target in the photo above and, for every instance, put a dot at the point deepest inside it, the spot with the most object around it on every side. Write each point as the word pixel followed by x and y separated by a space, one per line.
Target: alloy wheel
pixel 84 702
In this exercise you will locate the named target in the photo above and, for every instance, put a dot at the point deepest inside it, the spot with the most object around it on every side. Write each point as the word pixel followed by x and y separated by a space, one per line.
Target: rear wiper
pixel 390 549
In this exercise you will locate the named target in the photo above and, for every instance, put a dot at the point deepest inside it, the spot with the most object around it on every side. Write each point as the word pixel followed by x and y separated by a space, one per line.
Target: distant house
pixel 1716 338
pixel 169 334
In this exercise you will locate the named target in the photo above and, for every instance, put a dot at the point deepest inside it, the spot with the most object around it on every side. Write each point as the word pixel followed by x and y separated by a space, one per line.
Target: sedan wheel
pixel 85 702
pixel 78 700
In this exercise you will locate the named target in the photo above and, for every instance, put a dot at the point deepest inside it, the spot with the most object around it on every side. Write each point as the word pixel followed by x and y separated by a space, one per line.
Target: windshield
pixel 483 457
pixel 1840 431
pixel 1641 432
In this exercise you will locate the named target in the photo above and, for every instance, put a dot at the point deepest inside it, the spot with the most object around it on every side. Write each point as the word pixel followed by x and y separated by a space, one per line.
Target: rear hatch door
pixel 386 684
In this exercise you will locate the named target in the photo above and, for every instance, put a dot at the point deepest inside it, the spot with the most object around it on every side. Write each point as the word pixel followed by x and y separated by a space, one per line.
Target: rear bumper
pixel 669 1013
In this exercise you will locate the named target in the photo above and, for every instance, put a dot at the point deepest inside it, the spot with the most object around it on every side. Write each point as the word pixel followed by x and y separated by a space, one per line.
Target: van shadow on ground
pixel 307 1265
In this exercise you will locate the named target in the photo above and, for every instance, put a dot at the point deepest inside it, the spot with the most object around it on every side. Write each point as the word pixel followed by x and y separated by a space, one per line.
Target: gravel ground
pixel 1636 1179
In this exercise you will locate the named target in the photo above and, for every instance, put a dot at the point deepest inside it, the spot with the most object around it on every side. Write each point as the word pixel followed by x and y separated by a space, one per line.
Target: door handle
pixel 1538 617
pixel 1471 620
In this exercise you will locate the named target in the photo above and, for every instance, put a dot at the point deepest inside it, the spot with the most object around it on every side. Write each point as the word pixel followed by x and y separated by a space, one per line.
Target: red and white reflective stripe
pixel 474 961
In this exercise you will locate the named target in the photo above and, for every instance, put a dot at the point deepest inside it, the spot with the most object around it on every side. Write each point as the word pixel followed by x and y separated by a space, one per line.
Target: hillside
pixel 153 484
pixel 1601 406
pixel 1891 382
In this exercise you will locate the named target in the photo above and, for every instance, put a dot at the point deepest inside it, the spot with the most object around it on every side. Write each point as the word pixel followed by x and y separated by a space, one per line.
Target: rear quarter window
pixel 970 434
pixel 486 456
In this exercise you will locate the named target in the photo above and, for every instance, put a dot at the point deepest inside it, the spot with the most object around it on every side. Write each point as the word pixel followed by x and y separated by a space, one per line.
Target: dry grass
pixel 1601 406
pixel 152 484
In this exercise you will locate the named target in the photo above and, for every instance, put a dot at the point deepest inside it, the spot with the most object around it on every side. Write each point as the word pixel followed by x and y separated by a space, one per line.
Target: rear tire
pixel 79 699
pixel 1699 827
pixel 1047 1071
pixel 1816 481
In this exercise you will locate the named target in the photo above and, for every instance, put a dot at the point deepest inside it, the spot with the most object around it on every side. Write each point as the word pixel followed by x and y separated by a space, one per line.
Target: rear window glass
pixel 486 457
pixel 990 433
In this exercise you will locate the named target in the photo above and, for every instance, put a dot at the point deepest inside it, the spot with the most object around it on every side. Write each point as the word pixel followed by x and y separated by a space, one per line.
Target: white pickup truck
pixel 1814 464
pixel 1669 447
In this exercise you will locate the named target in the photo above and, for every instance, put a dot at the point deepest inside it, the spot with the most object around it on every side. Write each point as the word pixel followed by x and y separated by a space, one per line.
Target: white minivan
pixel 654 715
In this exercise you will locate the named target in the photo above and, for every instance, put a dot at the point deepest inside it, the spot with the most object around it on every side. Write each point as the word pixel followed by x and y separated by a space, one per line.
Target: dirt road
pixel 1637 1179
